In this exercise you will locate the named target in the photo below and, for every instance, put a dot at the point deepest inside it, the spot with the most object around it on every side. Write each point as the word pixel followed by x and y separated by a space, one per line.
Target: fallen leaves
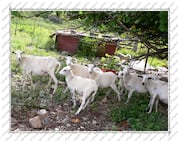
pixel 75 120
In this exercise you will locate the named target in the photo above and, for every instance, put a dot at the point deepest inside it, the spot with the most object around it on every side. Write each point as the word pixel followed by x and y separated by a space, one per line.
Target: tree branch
pixel 36 15
pixel 148 45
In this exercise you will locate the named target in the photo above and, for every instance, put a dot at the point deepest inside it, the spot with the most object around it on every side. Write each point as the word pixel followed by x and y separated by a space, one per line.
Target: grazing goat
pixel 77 69
pixel 38 65
pixel 158 91
pixel 86 88
pixel 132 82
pixel 103 79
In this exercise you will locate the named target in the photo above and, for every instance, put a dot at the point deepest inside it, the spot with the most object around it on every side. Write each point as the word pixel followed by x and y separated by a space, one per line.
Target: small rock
pixel 21 126
pixel 85 123
pixel 46 121
pixel 59 109
pixel 59 106
pixel 56 129
pixel 13 121
pixel 53 113
pixel 104 100
pixel 35 122
pixel 78 129
pixel 94 122
pixel 65 104
pixel 42 112
pixel 85 118
pixel 68 125
pixel 16 130
pixel 43 102
pixel 66 119
pixel 42 94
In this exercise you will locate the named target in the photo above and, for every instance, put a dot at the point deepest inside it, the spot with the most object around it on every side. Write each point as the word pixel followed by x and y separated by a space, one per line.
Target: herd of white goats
pixel 84 81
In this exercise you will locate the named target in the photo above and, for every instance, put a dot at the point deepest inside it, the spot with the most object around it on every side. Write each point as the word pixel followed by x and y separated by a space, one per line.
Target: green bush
pixel 89 47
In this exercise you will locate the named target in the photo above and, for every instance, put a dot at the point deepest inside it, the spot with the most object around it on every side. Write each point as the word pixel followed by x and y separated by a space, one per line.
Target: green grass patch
pixel 135 113
pixel 156 62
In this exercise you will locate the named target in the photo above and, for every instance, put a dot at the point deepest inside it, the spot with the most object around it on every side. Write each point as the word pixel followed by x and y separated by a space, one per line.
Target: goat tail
pixel 58 68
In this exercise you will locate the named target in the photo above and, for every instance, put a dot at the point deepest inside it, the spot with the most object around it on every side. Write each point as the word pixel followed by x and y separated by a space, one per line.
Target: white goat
pixel 38 65
pixel 86 88
pixel 103 79
pixel 132 82
pixel 121 82
pixel 158 91
pixel 77 69
pixel 124 57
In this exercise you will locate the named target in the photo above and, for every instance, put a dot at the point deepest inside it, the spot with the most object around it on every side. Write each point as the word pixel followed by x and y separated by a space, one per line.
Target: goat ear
pixel 140 76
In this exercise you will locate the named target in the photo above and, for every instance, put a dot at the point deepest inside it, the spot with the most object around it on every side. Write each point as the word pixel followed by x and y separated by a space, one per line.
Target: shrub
pixel 89 47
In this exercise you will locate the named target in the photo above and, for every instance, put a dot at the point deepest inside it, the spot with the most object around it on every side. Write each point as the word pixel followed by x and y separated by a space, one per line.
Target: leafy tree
pixel 151 27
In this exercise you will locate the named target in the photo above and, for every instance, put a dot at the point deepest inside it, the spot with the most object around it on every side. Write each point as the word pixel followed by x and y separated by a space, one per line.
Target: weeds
pixel 135 113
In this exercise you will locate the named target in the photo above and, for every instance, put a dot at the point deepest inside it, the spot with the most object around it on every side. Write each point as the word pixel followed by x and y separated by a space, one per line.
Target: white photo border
pixel 124 5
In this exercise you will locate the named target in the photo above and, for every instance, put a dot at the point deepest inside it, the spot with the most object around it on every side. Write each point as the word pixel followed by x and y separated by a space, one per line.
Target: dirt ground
pixel 62 118
pixel 60 114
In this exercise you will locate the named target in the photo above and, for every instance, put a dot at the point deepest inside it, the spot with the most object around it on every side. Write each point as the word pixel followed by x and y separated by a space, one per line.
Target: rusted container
pixel 70 40
pixel 67 41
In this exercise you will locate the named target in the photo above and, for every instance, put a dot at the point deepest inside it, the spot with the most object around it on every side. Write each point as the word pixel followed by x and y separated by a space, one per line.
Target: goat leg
pixel 152 103
pixel 129 95
pixel 81 106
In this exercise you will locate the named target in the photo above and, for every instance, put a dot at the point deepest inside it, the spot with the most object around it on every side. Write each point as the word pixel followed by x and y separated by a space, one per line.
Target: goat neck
pixel 69 76
pixel 126 77
pixel 94 74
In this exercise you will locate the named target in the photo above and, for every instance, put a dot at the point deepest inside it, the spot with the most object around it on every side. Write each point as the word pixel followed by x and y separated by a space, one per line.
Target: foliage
pixel 109 62
pixel 138 21
pixel 135 113
pixel 89 47
pixel 158 63
pixel 163 21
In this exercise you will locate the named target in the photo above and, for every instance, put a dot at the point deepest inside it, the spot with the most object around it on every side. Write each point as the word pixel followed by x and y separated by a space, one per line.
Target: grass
pixel 135 113
pixel 36 41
